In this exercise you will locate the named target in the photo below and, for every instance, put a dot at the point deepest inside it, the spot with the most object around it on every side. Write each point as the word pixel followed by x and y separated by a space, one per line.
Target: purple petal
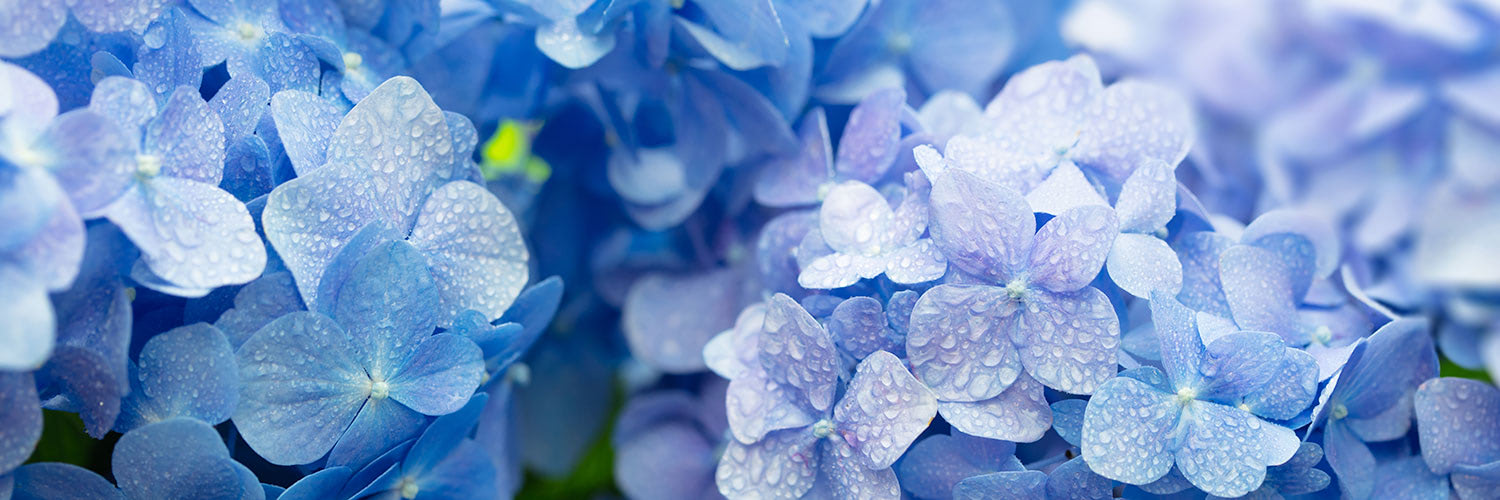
pixel 1259 290
pixel 856 219
pixel 732 351
pixel 1069 342
pixel 797 351
pixel 474 248
pixel 1321 233
pixel 1071 248
pixel 958 342
pixel 839 270
pixel 859 326
pixel 757 405
pixel 668 319
pixel 1148 200
pixel 1199 253
pixel 1017 485
pixel 918 262
pixel 1019 414
pixel 46 481
pixel 29 27
pixel 781 465
pixel 884 409
pixel 20 416
pixel 1064 189
pixel 868 146
pixel 1132 122
pixel 670 461
pixel 798 179
pixel 982 228
pixel 191 234
pixel 850 478
pixel 1458 421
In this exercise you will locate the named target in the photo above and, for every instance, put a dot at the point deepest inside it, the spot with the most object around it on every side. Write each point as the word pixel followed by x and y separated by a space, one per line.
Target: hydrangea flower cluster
pixel 929 249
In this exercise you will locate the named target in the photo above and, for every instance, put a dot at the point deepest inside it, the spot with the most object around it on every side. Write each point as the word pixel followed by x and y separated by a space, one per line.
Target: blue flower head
pixel 355 384
pixel 1208 412
pixel 792 436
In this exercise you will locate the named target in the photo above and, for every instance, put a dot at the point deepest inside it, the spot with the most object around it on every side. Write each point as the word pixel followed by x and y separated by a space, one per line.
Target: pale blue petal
pixel 823 19
pixel 1181 348
pixel 756 405
pixel 1410 478
pixel 943 35
pixel 240 103
pixel 1199 253
pixel 839 270
pixel 311 218
pixel 1238 364
pixel 958 342
pixel 1141 264
pixel 1293 388
pixel 1398 357
pixel 797 351
pixel 387 306
pixel 733 351
pixel 1353 464
pixel 1127 431
pixel 933 465
pixel 1069 342
pixel 473 245
pixel 93 159
pixel 1070 249
pixel 856 219
pixel 670 461
pixel 398 137
pixel 1019 414
pixel 982 228
pixel 257 304
pixel 30 329
pixel 445 433
pixel 1227 450
pixel 1064 189
pixel 187 137
pixel 1148 200
pixel 564 42
pixel 847 477
pixel 797 179
pixel 1258 287
pixel 441 374
pixel 1067 419
pixel 305 122
pixel 325 483
pixel 918 262
pixel 188 371
pixel 1321 233
pixel 380 425
pixel 1074 480
pixel 301 387
pixel 883 410
pixel 191 234
pixel 29 26
pixel 859 326
pixel 1002 486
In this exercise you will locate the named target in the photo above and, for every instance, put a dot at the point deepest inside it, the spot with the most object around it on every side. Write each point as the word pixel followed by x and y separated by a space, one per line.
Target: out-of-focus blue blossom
pixel 180 458
pixel 666 445
pixel 1206 413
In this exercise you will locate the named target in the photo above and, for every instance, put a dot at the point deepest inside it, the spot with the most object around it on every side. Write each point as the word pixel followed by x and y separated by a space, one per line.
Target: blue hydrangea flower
pixel 363 61
pixel 1207 413
pixel 1458 421
pixel 789 430
pixel 1371 400
pixel 869 239
pixel 969 342
pixel 361 381
pixel 193 235
pixel 252 39
pixel 901 42
pixel 393 162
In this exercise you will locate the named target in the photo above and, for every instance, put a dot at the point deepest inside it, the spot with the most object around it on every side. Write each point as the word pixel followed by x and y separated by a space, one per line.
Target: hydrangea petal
pixel 1067 419
pixel 1259 290
pixel 400 138
pixel 306 123
pixel 858 325
pixel 30 26
pixel 839 270
pixel 1141 264
pixel 668 319
pixel 1239 363
pixel 1397 358
pixel 1064 189
pixel 291 410
pixel 1148 199
pixel 1073 480
pixel 1069 342
pixel 1019 414
pixel 918 262
pixel 93 158
pixel 565 42
pixel 439 376
pixel 1293 388
pixel 1071 248
pixel 982 228
pixel 1227 450
pixel 187 137
pixel 1321 233
pixel 1458 421
pixel 1353 464
pixel 176 458
pixel 1131 122
pixel 380 425
pixel 60 481
pixel 1126 431
pixel 937 462
pixel 1199 253
pixel 756 405
pixel 849 478
pixel 797 180
pixel 958 342
pixel 387 306
pixel 669 461
pixel 868 146
pixel 21 416
pixel 797 351
pixel 855 218
pixel 188 371
pixel 190 234
pixel 865 418
pixel 780 466
pixel 473 245
pixel 1002 486
pixel 257 304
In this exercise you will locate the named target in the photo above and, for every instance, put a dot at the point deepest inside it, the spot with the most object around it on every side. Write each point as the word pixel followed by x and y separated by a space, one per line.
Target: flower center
pixel 407 488
pixel 352 61
pixel 1323 335
pixel 822 429
pixel 1017 288
pixel 246 31
pixel 147 165
pixel 380 389
pixel 1338 412
pixel 1186 395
